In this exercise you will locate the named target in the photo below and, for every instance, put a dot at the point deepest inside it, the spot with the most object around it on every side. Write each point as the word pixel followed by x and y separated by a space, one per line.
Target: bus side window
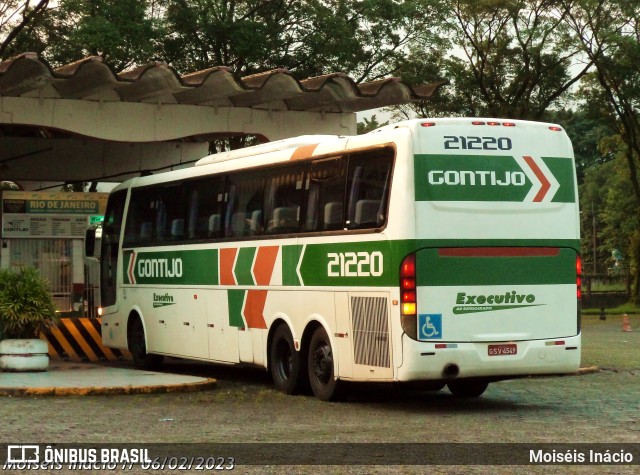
pixel 245 205
pixel 171 213
pixel 283 199
pixel 206 207
pixel 368 184
pixel 326 195
pixel 141 217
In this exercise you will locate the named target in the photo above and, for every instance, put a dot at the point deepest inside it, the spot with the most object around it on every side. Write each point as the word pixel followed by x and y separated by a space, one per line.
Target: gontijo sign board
pixel 33 214
pixel 526 178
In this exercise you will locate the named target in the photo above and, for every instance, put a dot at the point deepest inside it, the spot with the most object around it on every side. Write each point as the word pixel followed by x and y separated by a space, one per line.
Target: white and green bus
pixel 443 251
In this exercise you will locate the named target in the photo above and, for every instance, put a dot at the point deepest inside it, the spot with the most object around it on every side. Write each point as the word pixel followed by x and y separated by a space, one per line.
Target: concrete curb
pixel 110 390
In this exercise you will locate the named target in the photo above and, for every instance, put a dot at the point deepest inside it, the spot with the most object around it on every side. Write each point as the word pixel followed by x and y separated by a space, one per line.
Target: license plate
pixel 506 349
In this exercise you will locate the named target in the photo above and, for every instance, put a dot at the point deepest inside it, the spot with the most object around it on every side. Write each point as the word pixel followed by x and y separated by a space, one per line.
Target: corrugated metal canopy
pixel 83 122
pixel 90 79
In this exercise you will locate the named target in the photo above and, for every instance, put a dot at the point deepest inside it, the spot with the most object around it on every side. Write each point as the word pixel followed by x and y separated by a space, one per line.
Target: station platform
pixel 71 378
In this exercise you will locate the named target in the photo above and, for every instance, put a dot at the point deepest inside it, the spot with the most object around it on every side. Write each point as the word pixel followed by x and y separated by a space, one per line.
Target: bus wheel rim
pixel 323 363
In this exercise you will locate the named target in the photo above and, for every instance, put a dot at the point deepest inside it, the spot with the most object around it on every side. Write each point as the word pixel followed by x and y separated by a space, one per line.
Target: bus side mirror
pixel 91 238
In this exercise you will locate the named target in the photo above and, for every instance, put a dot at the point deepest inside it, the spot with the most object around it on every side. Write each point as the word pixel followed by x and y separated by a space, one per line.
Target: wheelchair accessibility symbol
pixel 430 326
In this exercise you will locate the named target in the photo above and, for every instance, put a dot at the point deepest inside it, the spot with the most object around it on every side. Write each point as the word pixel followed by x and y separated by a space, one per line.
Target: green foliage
pixel 508 58
pixel 589 136
pixel 77 186
pixel 607 214
pixel 365 38
pixel 119 31
pixel 18 21
pixel 26 305
pixel 368 124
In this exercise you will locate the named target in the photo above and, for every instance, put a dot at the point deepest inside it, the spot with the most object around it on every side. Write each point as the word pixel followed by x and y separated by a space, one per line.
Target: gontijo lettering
pixel 477 177
pixel 160 267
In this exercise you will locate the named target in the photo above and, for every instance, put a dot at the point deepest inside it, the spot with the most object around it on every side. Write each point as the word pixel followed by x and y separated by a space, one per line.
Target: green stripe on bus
pixel 486 178
pixel 184 267
pixel 290 259
pixel 437 270
pixel 445 177
pixel 368 263
pixel 569 243
pixel 244 262
pixel 235 299
pixel 563 170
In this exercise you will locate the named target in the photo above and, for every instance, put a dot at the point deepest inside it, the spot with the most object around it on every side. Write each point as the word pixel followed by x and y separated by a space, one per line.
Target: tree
pixel 607 219
pixel 17 19
pixel 119 31
pixel 589 135
pixel 369 123
pixel 365 38
pixel 508 58
pixel 609 34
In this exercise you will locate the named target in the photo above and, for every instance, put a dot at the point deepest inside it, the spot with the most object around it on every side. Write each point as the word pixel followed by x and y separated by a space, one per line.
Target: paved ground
pixel 600 407
pixel 67 378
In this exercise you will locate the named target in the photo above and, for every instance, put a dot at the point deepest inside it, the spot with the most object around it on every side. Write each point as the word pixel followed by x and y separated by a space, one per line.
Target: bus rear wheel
pixel 285 362
pixel 320 365
pixel 467 388
pixel 138 347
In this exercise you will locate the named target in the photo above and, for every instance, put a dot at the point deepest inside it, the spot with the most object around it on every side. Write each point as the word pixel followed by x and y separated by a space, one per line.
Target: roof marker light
pixel 427 124
pixel 477 122
pixel 555 129
pixel 493 123
pixel 509 124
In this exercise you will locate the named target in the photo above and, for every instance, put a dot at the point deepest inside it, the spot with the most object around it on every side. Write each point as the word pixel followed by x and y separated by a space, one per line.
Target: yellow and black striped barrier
pixel 80 339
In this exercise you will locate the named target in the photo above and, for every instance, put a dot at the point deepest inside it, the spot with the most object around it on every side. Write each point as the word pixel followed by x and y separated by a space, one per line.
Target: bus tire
pixel 467 388
pixel 284 361
pixel 138 347
pixel 321 366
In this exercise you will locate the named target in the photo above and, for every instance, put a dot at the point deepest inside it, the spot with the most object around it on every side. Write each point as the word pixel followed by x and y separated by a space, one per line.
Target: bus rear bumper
pixel 445 360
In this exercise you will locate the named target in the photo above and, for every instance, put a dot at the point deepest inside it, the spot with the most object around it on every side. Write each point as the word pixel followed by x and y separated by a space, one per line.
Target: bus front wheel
pixel 467 388
pixel 285 362
pixel 138 347
pixel 320 366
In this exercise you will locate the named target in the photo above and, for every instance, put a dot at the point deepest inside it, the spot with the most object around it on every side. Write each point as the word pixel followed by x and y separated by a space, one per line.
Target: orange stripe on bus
pixel 254 308
pixel 303 152
pixel 264 264
pixel 227 258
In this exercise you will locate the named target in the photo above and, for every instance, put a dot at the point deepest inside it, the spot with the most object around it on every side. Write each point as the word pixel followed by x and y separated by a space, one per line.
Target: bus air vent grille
pixel 370 331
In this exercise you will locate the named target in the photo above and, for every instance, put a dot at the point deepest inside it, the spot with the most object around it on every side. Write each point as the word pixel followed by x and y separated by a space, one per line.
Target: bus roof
pixel 269 147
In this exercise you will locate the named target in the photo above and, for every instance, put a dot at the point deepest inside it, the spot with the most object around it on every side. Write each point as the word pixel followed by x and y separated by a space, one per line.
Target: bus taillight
pixel 578 276
pixel 408 298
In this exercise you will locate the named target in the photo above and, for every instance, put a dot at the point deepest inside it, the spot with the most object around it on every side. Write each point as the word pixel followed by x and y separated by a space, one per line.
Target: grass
pixel 627 308
pixel 608 287
pixel 604 344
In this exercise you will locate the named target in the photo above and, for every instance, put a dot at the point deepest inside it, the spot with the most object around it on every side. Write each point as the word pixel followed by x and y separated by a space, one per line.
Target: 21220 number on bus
pixel 355 264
